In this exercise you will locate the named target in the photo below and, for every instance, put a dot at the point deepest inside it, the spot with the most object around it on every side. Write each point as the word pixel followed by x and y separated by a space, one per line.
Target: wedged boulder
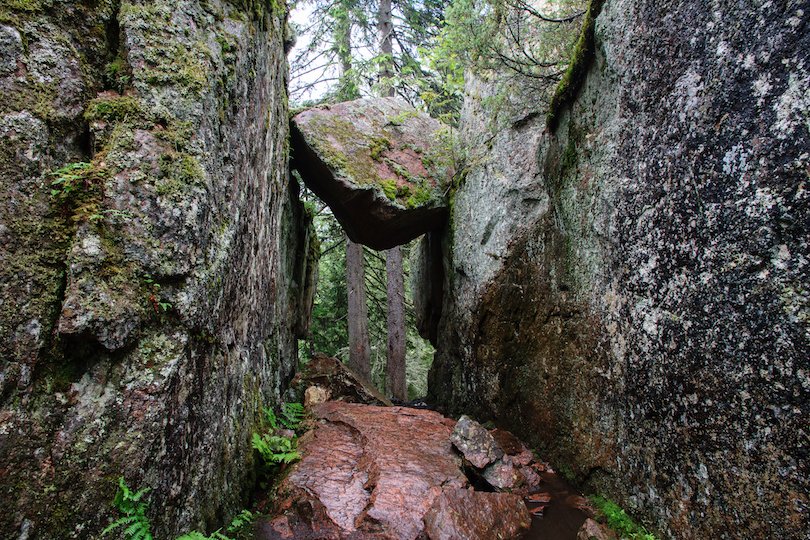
pixel 382 167
pixel 372 472
pixel 325 378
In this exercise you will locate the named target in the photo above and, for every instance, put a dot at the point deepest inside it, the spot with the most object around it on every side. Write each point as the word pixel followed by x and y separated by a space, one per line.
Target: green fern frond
pixel 292 414
pixel 135 523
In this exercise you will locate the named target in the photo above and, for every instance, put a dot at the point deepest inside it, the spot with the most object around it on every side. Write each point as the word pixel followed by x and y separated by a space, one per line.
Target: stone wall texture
pixel 153 257
pixel 630 291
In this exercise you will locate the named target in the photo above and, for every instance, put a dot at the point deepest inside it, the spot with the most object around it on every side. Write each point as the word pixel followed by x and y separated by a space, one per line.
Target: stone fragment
pixel 334 380
pixel 315 394
pixel 591 530
pixel 542 498
pixel 464 514
pixel 380 165
pixel 476 443
pixel 503 475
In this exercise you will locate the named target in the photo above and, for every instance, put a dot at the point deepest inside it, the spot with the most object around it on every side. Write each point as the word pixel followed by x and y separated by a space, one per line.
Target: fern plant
pixel 292 414
pixel 196 535
pixel 276 450
pixel 135 523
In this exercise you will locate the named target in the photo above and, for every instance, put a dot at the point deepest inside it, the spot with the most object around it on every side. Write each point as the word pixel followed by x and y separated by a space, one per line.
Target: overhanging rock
pixel 382 167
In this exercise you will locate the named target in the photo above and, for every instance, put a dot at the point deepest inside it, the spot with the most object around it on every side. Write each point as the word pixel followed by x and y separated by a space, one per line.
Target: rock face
pixel 629 292
pixel 381 166
pixel 153 257
pixel 372 472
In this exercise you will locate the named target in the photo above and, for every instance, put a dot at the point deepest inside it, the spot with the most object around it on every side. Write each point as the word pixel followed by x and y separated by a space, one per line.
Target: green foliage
pixel 278 449
pixel 275 449
pixel 584 50
pixel 115 108
pixel 153 289
pixel 70 179
pixel 117 74
pixel 196 535
pixel 509 41
pixel 134 523
pixel 237 524
pixel 618 520
pixel 242 519
pixel 292 414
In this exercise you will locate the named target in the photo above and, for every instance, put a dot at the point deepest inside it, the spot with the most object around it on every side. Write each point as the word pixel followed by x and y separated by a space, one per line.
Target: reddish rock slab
pixel 373 471
pixel 392 473
pixel 382 167
pixel 591 530
pixel 464 514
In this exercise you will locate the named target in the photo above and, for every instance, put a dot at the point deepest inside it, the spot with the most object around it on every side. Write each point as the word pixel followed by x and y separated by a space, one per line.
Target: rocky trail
pixel 374 471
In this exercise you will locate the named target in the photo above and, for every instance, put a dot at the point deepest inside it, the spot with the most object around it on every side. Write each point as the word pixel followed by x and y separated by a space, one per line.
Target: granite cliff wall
pixel 153 257
pixel 629 291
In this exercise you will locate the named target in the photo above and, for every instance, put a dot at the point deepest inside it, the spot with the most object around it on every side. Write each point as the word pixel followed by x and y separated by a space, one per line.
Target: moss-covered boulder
pixel 382 167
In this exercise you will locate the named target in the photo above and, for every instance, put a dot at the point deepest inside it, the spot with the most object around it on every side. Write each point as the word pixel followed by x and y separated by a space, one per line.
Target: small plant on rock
pixel 618 520
pixel 70 180
pixel 134 522
pixel 276 447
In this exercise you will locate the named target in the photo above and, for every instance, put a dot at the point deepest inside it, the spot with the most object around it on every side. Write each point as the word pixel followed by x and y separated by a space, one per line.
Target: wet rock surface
pixel 381 166
pixel 372 472
pixel 465 514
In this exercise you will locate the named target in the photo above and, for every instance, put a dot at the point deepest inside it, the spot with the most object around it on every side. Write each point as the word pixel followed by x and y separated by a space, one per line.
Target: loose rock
pixel 464 514
pixel 371 472
pixel 476 443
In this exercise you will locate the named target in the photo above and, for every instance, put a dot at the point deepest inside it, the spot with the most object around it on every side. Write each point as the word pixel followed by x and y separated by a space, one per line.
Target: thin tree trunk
pixel 395 367
pixel 386 30
pixel 359 349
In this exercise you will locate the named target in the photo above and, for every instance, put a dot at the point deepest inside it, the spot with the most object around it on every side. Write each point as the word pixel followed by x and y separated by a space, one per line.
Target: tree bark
pixel 386 30
pixel 395 366
pixel 359 349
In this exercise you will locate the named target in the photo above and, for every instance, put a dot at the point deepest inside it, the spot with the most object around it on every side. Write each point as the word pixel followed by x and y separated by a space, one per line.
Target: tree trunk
pixel 386 29
pixel 395 367
pixel 343 46
pixel 359 349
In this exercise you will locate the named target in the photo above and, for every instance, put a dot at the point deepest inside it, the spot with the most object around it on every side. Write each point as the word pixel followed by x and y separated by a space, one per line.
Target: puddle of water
pixel 561 517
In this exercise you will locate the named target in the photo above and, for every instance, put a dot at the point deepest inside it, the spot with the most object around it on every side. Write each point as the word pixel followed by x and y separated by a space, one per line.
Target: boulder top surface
pixel 380 164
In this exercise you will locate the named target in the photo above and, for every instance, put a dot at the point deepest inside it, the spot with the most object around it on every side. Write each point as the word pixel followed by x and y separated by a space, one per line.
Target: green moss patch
pixel 574 77
pixel 114 108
